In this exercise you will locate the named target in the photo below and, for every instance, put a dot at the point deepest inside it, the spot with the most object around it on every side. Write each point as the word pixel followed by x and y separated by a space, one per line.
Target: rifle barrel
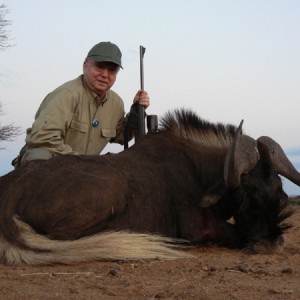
pixel 142 52
pixel 140 121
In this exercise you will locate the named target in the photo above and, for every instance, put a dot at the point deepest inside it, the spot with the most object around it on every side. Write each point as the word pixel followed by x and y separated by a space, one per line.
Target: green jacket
pixel 63 123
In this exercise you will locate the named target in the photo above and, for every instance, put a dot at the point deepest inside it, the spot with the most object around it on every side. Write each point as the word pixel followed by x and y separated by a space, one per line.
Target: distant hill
pixel 294 200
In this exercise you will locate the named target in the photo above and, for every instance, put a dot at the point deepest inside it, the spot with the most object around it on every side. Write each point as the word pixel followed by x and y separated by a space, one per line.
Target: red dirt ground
pixel 215 273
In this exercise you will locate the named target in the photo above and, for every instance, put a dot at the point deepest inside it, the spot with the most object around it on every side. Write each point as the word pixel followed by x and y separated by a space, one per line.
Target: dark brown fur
pixel 157 186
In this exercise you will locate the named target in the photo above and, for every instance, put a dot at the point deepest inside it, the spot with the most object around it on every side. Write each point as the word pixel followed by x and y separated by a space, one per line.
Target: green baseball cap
pixel 106 51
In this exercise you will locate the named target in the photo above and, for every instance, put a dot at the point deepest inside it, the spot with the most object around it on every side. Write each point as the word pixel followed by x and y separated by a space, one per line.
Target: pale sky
pixel 226 60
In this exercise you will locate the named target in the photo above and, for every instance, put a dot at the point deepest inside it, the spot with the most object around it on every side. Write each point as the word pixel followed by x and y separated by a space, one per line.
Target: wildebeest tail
pixel 108 246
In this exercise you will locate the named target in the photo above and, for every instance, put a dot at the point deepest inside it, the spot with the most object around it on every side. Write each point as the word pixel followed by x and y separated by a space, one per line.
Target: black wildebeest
pixel 183 182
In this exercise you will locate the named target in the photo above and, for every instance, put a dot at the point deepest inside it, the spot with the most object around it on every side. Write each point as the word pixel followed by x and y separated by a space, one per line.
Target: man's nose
pixel 104 72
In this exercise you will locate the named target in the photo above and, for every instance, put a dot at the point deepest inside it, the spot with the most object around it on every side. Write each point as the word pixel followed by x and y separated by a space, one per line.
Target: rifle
pixel 139 116
pixel 139 126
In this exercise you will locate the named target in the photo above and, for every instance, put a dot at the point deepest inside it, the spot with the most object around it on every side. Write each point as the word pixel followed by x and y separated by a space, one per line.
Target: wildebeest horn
pixel 279 160
pixel 242 156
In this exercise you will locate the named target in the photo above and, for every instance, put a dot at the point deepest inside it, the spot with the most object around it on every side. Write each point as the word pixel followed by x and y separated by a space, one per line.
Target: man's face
pixel 100 76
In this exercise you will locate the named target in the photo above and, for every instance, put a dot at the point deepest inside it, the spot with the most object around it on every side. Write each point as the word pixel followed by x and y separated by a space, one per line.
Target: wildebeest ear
pixel 209 199
pixel 213 195
pixel 242 156
pixel 278 158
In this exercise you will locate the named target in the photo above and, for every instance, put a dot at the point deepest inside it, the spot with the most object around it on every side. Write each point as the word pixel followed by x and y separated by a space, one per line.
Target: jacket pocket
pixel 79 126
pixel 109 133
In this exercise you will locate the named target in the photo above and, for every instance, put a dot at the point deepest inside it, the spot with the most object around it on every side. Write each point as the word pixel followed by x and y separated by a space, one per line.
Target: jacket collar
pixel 94 97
